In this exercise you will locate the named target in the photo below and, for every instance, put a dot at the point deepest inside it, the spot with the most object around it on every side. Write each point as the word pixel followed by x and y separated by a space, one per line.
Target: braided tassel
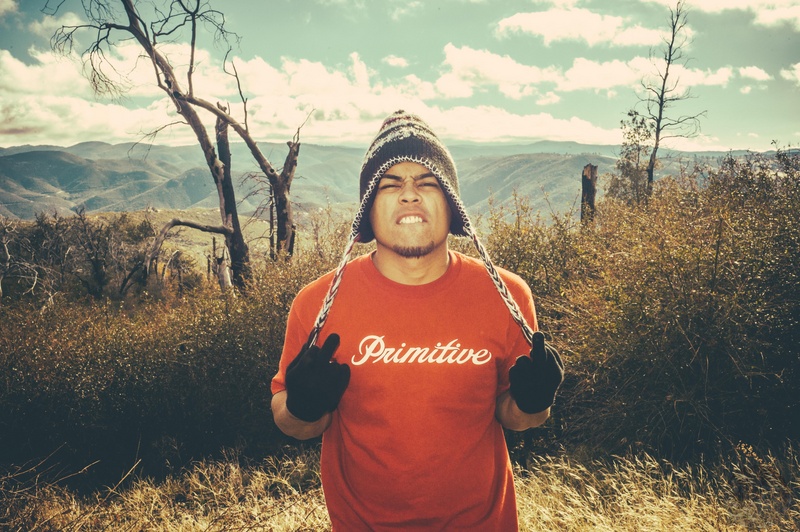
pixel 508 299
pixel 337 277
pixel 332 291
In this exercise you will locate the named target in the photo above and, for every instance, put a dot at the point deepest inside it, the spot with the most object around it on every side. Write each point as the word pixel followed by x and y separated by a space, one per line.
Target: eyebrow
pixel 415 178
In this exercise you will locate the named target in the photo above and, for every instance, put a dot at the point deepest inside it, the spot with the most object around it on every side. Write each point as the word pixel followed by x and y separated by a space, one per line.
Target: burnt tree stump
pixel 589 182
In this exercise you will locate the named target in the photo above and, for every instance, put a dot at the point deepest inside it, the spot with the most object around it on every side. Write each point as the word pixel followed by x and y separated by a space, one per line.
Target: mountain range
pixel 102 177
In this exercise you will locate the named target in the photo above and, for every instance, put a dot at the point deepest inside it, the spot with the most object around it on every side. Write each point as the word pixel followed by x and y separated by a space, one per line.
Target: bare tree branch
pixel 155 249
pixel 242 97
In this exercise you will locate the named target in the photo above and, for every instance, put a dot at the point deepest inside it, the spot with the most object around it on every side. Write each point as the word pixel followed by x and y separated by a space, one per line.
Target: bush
pixel 166 380
pixel 162 384
pixel 687 317
pixel 72 256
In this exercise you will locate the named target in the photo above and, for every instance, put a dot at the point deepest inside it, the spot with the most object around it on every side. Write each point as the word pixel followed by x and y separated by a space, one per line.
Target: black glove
pixel 535 379
pixel 315 383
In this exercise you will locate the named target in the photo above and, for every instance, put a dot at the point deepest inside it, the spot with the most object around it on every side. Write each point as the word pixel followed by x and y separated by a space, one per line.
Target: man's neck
pixel 411 271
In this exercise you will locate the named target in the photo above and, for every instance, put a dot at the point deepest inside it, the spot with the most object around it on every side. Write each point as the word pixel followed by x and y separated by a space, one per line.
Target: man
pixel 425 357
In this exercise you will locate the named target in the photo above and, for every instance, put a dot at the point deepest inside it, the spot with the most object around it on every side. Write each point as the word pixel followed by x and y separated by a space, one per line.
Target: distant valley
pixel 125 177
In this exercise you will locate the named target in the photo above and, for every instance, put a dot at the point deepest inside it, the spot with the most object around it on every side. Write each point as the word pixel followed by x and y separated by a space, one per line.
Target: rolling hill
pixel 125 177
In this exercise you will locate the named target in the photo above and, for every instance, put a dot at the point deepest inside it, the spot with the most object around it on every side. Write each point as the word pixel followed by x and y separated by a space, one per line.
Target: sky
pixel 513 71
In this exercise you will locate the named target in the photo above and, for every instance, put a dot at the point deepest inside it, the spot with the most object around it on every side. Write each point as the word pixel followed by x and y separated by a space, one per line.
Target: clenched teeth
pixel 411 220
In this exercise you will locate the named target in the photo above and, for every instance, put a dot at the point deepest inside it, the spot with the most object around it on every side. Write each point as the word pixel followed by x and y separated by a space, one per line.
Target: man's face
pixel 410 215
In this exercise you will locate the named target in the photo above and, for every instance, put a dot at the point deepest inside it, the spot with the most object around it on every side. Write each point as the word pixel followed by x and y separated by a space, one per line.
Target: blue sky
pixel 478 71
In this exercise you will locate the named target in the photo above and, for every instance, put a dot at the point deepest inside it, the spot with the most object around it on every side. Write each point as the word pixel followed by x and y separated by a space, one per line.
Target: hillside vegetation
pixel 678 322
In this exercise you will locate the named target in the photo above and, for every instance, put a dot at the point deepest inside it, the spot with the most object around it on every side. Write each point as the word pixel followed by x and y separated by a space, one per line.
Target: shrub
pixel 165 380
pixel 687 319
pixel 71 256
pixel 166 383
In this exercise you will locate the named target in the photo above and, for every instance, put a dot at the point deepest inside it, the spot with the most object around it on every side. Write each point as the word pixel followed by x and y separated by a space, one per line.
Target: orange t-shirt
pixel 414 444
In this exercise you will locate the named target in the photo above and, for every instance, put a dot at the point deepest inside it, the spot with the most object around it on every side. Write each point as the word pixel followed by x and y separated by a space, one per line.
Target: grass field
pixel 640 493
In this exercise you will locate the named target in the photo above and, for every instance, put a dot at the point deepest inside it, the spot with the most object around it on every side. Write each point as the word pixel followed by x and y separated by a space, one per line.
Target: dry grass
pixel 750 492
pixel 210 496
pixel 642 493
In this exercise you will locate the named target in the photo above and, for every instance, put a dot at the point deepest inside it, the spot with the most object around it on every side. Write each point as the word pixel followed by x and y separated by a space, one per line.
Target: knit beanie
pixel 406 137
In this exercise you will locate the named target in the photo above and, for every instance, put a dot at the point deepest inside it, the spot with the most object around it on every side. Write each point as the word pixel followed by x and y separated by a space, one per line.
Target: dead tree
pixel 662 91
pixel 276 202
pixel 15 257
pixel 8 230
pixel 218 266
pixel 588 192
pixel 181 16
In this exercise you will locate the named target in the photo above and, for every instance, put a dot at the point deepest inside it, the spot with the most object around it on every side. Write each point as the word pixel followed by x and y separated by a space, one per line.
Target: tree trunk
pixel 589 191
pixel 183 104
pixel 237 247
pixel 651 168
pixel 282 200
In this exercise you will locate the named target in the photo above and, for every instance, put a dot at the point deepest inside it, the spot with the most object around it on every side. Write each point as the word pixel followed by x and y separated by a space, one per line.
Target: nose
pixel 409 192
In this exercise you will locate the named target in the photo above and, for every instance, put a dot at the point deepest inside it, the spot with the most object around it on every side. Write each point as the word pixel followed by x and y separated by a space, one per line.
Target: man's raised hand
pixel 314 382
pixel 535 379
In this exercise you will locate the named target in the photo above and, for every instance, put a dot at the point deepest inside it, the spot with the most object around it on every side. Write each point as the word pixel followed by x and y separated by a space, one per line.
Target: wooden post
pixel 589 182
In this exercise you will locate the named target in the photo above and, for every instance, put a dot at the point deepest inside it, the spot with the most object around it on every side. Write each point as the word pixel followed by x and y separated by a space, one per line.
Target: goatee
pixel 414 252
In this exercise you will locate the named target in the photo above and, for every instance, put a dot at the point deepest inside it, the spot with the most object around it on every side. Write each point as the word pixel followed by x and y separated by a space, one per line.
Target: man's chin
pixel 414 252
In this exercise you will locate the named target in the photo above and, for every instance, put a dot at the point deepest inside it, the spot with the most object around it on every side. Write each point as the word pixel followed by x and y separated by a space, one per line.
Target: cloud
pixel 576 24
pixel 67 120
pixel 754 72
pixel 489 123
pixel 405 9
pixel 469 70
pixel 7 7
pixel 395 61
pixel 549 99
pixel 415 87
pixel 680 76
pixel 353 4
pixel 792 74
pixel 359 71
pixel 692 77
pixel 47 75
pixel 49 101
pixel 585 74
pixel 558 3
pixel 746 90
pixel 698 143
pixel 282 96
pixel 772 16
pixel 46 26
pixel 344 102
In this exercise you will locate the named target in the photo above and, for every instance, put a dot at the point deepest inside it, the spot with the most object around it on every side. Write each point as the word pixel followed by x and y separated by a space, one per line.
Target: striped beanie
pixel 406 137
